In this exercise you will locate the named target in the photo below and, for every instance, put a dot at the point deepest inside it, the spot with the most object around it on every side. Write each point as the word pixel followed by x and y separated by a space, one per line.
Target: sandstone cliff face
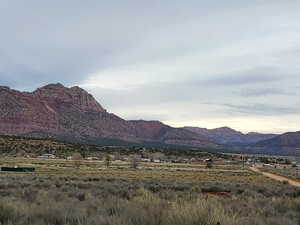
pixel 74 96
pixel 57 111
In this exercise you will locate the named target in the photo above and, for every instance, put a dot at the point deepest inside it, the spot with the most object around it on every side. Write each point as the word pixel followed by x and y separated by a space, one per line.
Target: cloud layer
pixel 201 63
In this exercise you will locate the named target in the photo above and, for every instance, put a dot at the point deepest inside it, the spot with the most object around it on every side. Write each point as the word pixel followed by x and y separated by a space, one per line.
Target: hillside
pixel 288 143
pixel 21 146
pixel 55 111
pixel 228 136
pixel 291 139
pixel 14 146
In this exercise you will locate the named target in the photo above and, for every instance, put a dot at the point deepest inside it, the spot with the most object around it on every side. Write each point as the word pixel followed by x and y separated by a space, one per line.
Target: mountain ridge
pixel 229 136
pixel 289 139
pixel 57 111
pixel 288 143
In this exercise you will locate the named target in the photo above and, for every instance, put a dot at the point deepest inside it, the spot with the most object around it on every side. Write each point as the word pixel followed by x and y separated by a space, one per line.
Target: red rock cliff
pixel 57 111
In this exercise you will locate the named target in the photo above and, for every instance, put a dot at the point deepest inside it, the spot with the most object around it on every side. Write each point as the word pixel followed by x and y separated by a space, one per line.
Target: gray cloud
pixel 257 92
pixel 256 76
pixel 263 109
pixel 160 59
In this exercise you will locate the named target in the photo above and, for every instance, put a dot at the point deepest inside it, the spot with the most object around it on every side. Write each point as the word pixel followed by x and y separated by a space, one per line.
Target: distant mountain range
pixel 228 136
pixel 288 143
pixel 291 139
pixel 55 111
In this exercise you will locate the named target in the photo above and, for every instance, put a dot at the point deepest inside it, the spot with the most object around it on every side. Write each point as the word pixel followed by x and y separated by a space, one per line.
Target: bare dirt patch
pixel 276 177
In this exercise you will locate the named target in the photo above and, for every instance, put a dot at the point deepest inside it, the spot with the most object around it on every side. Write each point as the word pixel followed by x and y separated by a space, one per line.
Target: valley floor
pixel 64 192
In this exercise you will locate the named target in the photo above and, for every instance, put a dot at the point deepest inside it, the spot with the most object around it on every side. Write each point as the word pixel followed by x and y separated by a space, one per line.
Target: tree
pixel 77 157
pixel 107 160
pixel 83 153
pixel 135 161
pixel 209 163
pixel 157 156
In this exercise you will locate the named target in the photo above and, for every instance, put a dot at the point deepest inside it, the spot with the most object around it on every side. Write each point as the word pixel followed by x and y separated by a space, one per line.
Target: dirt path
pixel 276 177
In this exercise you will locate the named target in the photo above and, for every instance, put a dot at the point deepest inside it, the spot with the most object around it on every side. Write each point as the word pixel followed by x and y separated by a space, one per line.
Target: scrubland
pixel 153 194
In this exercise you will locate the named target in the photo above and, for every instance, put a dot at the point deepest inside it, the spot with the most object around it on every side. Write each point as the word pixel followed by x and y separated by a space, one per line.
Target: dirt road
pixel 276 177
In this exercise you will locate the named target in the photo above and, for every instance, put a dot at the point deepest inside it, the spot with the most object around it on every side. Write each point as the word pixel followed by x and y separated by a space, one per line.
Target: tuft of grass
pixel 201 212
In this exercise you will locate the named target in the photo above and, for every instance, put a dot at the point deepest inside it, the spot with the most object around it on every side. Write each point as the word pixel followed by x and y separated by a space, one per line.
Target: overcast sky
pixel 198 63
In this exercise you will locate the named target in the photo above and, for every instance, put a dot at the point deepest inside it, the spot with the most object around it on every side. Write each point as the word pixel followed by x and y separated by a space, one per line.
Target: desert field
pixel 91 192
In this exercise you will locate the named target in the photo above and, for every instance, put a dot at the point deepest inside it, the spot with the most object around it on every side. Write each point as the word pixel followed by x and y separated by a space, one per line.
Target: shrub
pixel 200 212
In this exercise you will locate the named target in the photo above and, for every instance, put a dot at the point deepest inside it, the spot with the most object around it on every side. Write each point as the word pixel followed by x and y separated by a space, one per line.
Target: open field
pixel 165 171
pixel 61 192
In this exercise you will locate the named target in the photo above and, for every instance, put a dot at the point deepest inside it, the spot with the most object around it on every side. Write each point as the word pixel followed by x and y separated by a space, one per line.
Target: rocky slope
pixel 288 143
pixel 228 136
pixel 59 112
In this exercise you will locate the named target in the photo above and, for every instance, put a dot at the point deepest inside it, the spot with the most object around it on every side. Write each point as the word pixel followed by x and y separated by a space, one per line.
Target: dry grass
pixel 154 194
pixel 160 171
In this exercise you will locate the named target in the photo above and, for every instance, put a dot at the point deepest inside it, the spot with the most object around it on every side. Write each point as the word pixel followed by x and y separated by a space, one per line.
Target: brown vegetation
pixel 141 196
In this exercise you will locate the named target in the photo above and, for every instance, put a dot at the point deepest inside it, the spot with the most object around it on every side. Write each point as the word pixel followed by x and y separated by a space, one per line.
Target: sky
pixel 204 63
